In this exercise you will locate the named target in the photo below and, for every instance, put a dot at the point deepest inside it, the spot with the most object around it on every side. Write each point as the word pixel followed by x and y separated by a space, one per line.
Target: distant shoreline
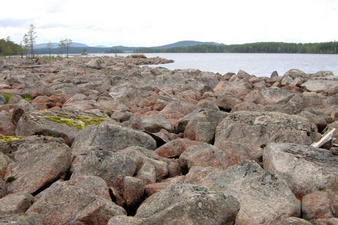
pixel 259 47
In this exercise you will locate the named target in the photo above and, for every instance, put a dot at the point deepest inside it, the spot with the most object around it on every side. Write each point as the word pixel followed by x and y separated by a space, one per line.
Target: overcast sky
pixel 158 22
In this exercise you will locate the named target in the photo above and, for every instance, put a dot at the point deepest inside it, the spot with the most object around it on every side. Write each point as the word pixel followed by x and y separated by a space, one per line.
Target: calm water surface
pixel 258 64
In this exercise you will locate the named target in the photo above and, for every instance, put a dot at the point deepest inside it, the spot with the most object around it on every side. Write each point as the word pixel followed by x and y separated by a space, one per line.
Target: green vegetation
pixel 8 48
pixel 78 121
pixel 261 47
pixel 6 96
pixel 27 97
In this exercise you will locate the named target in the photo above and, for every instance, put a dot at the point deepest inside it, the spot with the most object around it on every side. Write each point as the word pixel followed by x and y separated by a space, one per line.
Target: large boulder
pixel 327 85
pixel 67 203
pixel 15 203
pixel 144 158
pixel 176 110
pixel 4 161
pixel 3 190
pixel 182 203
pixel 125 220
pixel 317 205
pixel 6 126
pixel 294 221
pixel 293 74
pixel 62 123
pixel 96 63
pixel 154 123
pixel 243 135
pixel 264 198
pixel 105 164
pixel 203 155
pixel 203 125
pixel 20 219
pixel 37 164
pixel 19 109
pixel 265 96
pixel 110 137
pixel 304 168
pixel 175 148
pixel 236 88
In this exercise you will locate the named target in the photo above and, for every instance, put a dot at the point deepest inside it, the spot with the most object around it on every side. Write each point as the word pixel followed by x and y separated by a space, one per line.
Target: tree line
pixel 8 47
pixel 26 47
pixel 260 47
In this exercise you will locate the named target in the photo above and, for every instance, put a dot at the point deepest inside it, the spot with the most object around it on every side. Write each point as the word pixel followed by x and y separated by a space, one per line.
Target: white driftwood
pixel 326 138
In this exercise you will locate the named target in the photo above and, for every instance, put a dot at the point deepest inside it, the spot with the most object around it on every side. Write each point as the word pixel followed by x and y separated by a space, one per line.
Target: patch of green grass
pixel 27 97
pixel 7 96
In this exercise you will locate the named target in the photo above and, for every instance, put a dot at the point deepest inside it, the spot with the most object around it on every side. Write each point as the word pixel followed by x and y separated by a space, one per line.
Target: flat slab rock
pixel 304 168
pixel 264 198
pixel 243 135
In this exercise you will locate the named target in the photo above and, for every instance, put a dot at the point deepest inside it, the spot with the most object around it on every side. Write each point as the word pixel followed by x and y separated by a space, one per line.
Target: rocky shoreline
pixel 97 141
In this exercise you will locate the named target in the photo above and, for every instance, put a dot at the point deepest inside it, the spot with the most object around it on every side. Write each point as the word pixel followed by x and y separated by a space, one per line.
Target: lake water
pixel 258 64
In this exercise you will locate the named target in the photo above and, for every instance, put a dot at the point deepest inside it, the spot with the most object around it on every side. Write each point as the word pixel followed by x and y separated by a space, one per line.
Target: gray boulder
pixel 110 137
pixel 154 123
pixel 293 74
pixel 19 109
pixel 147 163
pixel 243 135
pixel 16 203
pixel 264 198
pixel 304 168
pixel 265 96
pixel 202 126
pixel 104 164
pixel 97 63
pixel 182 203
pixel 3 191
pixel 125 220
pixel 294 221
pixel 66 203
pixel 20 219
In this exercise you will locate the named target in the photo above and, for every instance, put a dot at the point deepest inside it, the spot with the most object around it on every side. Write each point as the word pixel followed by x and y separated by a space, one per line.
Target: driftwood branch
pixel 326 138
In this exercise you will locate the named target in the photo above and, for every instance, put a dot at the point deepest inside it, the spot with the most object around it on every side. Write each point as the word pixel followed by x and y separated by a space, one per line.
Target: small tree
pixel 49 46
pixel 31 36
pixel 84 51
pixel 65 44
pixel 25 45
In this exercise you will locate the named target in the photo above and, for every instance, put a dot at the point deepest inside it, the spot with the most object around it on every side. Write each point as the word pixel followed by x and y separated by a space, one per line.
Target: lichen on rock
pixel 5 138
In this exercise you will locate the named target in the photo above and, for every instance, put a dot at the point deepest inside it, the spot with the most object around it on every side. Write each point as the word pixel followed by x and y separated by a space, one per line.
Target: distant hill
pixel 184 44
pixel 56 45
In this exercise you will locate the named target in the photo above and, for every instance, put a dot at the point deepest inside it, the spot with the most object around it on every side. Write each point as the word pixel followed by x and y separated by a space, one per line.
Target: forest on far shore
pixel 259 47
